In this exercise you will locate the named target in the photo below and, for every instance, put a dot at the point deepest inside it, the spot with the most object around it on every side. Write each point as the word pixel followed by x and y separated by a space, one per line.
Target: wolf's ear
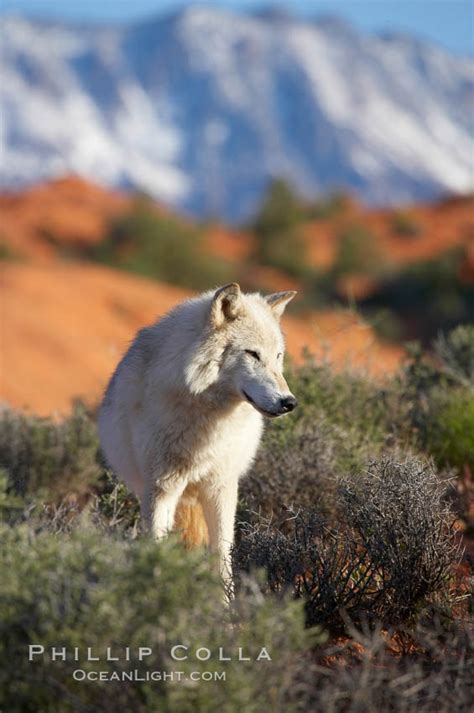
pixel 279 300
pixel 226 304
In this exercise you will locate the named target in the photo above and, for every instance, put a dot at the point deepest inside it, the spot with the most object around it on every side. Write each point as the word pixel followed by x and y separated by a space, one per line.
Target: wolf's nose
pixel 288 404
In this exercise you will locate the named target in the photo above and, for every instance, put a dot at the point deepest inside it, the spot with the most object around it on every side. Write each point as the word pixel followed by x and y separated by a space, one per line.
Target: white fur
pixel 176 412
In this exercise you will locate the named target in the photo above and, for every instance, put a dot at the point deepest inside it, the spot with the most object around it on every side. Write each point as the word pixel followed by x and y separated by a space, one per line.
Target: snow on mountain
pixel 200 108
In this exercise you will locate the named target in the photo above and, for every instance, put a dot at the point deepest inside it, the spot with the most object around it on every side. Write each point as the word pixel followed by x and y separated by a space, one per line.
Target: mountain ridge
pixel 202 107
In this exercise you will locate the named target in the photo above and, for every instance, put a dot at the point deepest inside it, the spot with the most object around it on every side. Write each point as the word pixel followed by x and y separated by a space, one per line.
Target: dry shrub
pixel 40 454
pixel 398 509
pixel 364 674
pixel 297 471
pixel 390 554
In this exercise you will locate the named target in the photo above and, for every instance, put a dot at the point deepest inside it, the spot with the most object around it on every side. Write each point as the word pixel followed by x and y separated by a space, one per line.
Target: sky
pixel 446 22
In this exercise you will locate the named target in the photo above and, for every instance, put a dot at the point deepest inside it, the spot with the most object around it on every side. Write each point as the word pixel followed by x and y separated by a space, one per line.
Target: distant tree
pixel 330 206
pixel 357 252
pixel 276 228
pixel 159 246
pixel 405 225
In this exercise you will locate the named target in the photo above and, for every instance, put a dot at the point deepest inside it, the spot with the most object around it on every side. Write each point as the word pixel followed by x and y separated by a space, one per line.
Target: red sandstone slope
pixel 39 222
pixel 64 326
pixel 438 227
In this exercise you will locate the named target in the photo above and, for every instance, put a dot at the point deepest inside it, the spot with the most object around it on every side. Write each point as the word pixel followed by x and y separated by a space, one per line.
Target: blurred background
pixel 153 149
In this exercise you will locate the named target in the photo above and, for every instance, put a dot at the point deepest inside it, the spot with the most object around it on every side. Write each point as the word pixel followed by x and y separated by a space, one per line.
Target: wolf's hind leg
pixel 159 504
pixel 189 518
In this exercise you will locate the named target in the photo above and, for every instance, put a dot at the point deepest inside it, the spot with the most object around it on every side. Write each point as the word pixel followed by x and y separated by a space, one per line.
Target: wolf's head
pixel 242 350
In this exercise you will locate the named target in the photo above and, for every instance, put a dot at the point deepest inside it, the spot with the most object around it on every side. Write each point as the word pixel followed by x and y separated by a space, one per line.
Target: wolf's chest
pixel 226 444
pixel 233 442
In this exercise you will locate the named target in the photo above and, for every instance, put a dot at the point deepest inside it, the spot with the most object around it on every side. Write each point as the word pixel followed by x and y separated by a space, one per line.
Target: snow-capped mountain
pixel 202 107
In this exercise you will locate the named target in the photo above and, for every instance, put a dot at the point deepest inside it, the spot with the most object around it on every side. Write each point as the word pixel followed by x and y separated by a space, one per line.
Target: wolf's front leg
pixel 159 503
pixel 219 503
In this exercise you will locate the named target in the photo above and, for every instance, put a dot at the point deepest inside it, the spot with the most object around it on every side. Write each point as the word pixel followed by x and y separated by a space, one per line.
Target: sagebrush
pixel 347 558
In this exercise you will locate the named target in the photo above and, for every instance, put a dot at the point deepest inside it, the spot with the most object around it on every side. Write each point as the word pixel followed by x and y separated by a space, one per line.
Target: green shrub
pixel 280 211
pixel 437 399
pixel 160 247
pixel 318 291
pixel 349 400
pixel 41 454
pixel 89 590
pixel 11 505
pixel 386 324
pixel 450 427
pixel 427 297
pixel 456 354
pixel 357 252
pixel 116 504
pixel 6 251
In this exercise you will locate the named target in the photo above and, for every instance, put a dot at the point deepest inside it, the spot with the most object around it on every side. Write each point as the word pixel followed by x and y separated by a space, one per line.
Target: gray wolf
pixel 183 412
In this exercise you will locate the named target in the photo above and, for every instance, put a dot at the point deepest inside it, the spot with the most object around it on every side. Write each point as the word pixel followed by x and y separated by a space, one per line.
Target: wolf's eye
pixel 279 355
pixel 254 355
